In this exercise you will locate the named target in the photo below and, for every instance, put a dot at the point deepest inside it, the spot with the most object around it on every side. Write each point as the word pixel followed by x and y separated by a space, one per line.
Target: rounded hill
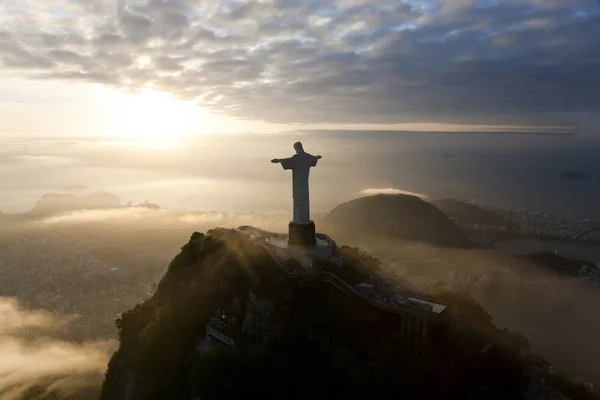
pixel 385 216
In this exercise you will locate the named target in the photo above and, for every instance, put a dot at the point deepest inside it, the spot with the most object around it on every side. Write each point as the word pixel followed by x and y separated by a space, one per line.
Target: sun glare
pixel 158 117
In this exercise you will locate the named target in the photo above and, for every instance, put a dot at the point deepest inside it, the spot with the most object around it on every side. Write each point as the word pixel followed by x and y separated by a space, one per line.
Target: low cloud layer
pixel 142 218
pixel 558 317
pixel 234 173
pixel 34 364
pixel 322 60
pixel 371 192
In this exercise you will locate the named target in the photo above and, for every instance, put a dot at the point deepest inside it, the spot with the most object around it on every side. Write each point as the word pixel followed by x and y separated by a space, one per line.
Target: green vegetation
pixel 328 344
pixel 157 336
pixel 357 255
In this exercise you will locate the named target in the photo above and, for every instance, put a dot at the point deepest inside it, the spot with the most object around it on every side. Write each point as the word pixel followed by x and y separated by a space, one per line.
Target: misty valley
pixel 68 270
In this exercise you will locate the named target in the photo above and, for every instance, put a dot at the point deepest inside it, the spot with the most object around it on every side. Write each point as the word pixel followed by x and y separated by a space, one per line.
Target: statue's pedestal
pixel 302 234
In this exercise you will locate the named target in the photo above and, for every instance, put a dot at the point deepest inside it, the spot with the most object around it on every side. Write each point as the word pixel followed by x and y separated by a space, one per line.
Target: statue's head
pixel 298 147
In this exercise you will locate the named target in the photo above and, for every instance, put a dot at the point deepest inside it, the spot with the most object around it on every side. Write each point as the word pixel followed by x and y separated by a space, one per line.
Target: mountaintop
pixel 384 217
pixel 238 313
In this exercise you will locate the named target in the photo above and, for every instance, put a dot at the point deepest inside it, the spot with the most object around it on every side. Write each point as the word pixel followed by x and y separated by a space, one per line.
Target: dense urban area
pixel 543 225
pixel 61 276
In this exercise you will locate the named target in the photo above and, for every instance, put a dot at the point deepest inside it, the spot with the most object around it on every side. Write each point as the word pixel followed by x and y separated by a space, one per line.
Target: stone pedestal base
pixel 302 235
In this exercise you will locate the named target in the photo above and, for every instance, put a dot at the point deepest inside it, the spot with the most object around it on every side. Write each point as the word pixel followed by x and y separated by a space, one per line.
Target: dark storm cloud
pixel 324 61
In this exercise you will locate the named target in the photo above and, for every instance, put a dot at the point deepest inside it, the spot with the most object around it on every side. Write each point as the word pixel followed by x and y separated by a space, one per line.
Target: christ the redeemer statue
pixel 302 229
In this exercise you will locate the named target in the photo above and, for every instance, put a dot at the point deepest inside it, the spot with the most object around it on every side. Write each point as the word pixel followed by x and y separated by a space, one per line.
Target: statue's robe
pixel 300 165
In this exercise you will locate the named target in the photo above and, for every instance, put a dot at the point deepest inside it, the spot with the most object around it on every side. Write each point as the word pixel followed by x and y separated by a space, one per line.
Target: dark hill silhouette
pixel 388 217
pixel 52 203
pixel 469 212
pixel 278 334
pixel 557 264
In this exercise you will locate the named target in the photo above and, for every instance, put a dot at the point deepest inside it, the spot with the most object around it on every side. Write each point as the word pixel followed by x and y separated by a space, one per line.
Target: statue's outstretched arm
pixel 319 157
pixel 275 160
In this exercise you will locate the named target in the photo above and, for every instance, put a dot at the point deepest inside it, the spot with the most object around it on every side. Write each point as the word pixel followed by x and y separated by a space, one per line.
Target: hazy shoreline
pixel 524 246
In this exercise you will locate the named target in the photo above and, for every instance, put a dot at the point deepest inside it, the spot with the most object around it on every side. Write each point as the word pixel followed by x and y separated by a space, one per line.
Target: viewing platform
pixel 326 250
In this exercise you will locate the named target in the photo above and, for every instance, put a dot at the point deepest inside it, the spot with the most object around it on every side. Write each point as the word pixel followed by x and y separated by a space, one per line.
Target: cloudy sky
pixel 75 66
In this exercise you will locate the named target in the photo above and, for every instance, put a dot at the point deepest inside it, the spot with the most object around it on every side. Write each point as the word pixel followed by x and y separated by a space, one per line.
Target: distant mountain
pixel 386 216
pixel 78 190
pixel 469 213
pixel 56 202
pixel 101 199
pixel 52 203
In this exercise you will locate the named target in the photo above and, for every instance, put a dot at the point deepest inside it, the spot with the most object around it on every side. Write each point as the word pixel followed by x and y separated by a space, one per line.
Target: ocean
pixel 232 172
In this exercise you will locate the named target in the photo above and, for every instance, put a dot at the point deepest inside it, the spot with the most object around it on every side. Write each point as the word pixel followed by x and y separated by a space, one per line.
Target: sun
pixel 161 120
pixel 156 116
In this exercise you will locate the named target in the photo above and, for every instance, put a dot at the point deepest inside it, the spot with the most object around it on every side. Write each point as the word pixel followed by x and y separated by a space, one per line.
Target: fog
pixel 124 252
pixel 66 278
pixel 558 316
pixel 132 218
pixel 373 191
pixel 233 173
pixel 34 363
pixel 81 269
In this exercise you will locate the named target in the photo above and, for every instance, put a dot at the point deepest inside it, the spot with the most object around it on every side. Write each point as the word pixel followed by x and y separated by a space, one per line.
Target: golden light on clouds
pixel 158 118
